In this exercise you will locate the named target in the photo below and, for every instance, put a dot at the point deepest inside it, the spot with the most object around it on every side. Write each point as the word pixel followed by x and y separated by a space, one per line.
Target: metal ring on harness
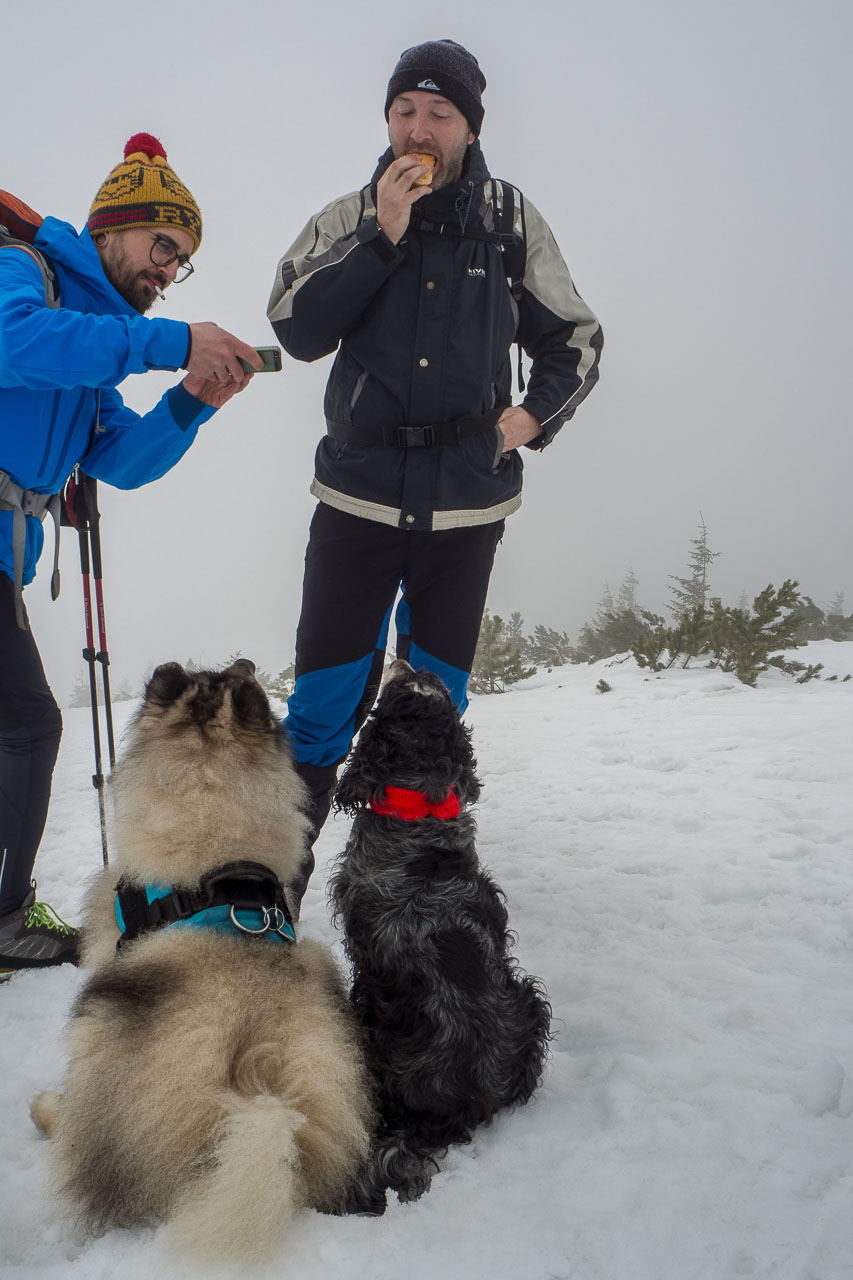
pixel 236 886
pixel 278 915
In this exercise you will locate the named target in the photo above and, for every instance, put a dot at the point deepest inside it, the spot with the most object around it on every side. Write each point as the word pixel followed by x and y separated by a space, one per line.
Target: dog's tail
pixel 239 1207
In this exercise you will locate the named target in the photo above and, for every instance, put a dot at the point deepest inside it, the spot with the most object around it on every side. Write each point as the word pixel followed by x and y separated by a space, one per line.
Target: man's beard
pixel 129 282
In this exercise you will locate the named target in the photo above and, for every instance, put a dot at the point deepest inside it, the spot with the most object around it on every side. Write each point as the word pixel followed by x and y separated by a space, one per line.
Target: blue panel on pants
pixel 320 720
pixel 321 710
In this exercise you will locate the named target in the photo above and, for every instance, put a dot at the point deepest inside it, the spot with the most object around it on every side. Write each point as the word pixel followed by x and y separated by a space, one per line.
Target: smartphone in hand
pixel 271 357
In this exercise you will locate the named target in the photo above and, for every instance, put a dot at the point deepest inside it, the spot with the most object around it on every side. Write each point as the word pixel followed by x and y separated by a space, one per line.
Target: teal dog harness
pixel 245 898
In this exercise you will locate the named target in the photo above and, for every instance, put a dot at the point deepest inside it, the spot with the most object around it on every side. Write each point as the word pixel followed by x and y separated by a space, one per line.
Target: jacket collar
pixel 83 284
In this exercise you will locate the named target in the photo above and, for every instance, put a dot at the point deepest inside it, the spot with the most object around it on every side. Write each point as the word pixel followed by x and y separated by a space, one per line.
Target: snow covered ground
pixel 677 859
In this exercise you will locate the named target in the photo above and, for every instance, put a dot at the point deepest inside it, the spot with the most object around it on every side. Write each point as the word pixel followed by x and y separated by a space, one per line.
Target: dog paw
pixel 44 1110
pixel 413 1190
pixel 416 1182
pixel 365 1202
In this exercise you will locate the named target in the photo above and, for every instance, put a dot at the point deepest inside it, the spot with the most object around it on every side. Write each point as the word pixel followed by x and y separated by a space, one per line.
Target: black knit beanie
pixel 441 66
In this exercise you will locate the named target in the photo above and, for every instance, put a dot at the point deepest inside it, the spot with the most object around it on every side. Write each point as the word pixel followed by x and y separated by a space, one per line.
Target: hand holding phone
pixel 271 357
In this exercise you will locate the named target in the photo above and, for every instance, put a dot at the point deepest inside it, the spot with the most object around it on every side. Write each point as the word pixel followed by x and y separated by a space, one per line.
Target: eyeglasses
pixel 163 253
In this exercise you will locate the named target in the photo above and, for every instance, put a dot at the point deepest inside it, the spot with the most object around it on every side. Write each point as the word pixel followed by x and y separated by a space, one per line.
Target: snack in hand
pixel 425 179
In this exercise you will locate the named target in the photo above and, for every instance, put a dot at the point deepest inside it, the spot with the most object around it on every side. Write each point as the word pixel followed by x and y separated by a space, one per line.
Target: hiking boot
pixel 34 937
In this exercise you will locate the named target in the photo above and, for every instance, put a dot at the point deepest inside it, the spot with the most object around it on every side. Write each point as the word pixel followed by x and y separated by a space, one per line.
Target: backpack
pixel 18 226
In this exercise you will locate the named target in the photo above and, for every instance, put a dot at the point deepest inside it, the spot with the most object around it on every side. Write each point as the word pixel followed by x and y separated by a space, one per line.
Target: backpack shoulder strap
pixel 508 213
pixel 44 264
pixel 508 207
pixel 366 202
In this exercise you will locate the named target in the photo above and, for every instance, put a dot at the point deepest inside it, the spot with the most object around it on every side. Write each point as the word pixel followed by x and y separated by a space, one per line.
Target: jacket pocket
pixel 357 388
pixel 499 450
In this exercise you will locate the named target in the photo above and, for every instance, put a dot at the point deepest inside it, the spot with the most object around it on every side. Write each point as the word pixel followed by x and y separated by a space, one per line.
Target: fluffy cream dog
pixel 216 1079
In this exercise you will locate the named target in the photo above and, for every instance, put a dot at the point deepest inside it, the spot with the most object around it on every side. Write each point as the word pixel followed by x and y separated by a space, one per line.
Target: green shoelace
pixel 40 915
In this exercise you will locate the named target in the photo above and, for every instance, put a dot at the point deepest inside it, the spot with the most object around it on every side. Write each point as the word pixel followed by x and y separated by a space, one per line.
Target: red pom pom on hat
pixel 147 143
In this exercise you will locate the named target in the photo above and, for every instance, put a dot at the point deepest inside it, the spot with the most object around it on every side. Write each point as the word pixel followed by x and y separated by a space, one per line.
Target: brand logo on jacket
pixel 429 84
pixel 478 273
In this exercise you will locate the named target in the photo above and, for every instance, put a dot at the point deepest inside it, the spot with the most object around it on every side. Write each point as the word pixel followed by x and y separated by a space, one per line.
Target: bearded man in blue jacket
pixel 72 327
pixel 420 464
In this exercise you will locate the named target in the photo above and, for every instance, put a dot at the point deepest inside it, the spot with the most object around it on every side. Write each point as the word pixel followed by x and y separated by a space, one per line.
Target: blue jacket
pixel 55 362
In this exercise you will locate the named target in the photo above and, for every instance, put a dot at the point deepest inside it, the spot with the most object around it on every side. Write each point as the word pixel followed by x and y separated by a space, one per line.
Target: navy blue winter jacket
pixel 423 331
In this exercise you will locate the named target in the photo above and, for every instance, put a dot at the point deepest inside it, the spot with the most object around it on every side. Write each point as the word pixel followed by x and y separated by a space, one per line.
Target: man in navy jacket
pixel 61 360
pixel 419 467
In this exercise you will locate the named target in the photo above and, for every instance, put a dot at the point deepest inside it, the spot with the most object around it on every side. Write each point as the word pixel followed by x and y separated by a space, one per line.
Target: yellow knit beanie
pixel 144 191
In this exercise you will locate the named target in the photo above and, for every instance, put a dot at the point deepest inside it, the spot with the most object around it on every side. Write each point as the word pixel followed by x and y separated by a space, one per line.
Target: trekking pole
pixel 102 656
pixel 78 515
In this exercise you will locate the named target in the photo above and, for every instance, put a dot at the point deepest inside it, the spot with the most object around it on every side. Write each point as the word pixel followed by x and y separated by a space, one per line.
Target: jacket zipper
pixel 62 468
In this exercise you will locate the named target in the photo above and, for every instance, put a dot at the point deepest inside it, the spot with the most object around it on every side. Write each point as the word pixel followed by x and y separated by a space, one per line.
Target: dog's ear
pixel 250 704
pixel 242 667
pixel 167 684
pixel 359 781
pixel 466 782
pixel 351 792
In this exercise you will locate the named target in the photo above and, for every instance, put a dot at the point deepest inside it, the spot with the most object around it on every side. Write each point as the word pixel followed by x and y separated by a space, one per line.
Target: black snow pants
pixel 30 730
pixel 354 569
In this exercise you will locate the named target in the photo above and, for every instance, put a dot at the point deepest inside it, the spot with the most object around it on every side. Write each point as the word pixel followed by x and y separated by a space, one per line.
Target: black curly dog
pixel 456 1031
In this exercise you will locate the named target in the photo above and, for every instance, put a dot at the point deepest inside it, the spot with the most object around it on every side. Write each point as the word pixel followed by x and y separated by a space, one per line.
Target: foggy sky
pixel 693 163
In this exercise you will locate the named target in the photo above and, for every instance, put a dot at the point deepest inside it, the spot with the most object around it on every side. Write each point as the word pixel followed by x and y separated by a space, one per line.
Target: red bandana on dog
pixel 399 802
